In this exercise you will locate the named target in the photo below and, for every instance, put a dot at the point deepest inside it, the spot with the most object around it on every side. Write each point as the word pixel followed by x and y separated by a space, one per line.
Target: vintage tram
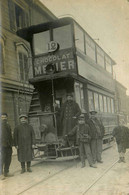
pixel 66 59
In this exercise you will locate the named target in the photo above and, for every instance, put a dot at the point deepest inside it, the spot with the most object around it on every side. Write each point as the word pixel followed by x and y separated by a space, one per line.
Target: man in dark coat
pixel 121 134
pixel 82 132
pixel 6 144
pixel 24 141
pixel 97 134
pixel 69 111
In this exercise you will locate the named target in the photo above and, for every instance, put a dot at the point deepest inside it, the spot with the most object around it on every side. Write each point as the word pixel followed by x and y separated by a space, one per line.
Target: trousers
pixel 85 151
pixel 96 149
pixel 6 158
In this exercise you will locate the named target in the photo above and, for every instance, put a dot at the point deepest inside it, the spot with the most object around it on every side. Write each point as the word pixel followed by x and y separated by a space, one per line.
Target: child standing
pixel 82 131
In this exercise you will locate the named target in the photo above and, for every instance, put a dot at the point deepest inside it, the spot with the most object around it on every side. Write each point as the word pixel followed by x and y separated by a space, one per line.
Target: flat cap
pixel 81 116
pixel 23 115
pixel 4 113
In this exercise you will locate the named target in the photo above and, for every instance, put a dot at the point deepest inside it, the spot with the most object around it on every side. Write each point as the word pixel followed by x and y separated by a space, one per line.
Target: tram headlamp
pixel 50 68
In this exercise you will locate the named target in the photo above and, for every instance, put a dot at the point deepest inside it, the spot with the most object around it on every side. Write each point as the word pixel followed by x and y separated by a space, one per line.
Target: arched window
pixel 23 56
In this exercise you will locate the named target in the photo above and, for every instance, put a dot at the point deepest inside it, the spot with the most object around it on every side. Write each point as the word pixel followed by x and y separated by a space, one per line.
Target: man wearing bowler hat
pixel 24 141
pixel 97 134
pixel 69 111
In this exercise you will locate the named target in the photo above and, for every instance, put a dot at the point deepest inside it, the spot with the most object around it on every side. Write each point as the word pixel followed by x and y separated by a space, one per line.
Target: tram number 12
pixel 52 46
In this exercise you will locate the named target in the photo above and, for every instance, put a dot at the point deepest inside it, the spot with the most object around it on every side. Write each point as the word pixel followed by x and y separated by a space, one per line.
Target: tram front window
pixel 63 36
pixel 40 41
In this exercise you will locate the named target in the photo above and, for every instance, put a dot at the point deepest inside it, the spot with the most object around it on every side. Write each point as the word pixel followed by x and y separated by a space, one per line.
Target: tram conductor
pixel 69 112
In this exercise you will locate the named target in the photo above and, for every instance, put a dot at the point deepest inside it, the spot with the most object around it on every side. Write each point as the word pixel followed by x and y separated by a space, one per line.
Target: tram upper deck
pixel 67 59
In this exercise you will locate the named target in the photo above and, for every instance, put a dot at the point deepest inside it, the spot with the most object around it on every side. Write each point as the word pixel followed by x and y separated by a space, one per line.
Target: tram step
pixel 34 105
pixel 36 111
pixel 69 148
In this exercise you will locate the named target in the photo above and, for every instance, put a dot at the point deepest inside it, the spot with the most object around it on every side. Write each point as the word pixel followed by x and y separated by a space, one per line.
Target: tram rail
pixel 66 168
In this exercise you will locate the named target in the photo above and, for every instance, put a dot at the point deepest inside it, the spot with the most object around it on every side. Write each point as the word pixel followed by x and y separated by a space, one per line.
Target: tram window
pixel 40 41
pixel 108 64
pixel 109 104
pixel 79 38
pixel 82 95
pixel 96 101
pixel 112 105
pixel 105 103
pixel 90 47
pixel 100 57
pixel 77 94
pixel 63 36
pixel 101 102
pixel 91 100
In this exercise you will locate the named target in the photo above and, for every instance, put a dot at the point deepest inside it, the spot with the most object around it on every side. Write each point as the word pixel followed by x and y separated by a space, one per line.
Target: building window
pixel 19 17
pixel 24 62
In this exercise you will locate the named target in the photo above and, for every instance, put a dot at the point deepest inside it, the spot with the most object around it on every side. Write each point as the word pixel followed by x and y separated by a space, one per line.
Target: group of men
pixel 23 139
pixel 87 131
pixel 79 128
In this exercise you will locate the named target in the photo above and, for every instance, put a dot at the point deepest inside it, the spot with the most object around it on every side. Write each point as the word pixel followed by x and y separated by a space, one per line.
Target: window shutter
pixel 11 6
pixel 21 66
pixel 26 67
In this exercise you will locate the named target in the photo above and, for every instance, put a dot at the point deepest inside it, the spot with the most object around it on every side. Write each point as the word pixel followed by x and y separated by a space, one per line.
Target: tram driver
pixel 69 111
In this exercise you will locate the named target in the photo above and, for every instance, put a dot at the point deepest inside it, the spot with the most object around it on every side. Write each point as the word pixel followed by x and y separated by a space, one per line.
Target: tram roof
pixel 27 33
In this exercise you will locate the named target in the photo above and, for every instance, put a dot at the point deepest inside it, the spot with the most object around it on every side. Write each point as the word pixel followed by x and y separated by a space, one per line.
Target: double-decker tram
pixel 66 59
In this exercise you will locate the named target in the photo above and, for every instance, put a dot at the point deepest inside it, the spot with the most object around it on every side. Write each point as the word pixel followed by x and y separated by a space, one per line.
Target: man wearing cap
pixel 24 141
pixel 97 134
pixel 69 110
pixel 82 131
pixel 6 144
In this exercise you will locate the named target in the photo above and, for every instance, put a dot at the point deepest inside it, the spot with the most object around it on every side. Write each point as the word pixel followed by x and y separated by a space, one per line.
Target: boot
pixel 23 170
pixel 120 160
pixel 83 165
pixel 94 166
pixel 29 169
pixel 123 159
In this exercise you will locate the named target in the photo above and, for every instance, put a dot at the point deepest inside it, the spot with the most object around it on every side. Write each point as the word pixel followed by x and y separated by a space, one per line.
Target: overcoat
pixel 69 110
pixel 24 138
pixel 94 125
pixel 6 136
pixel 121 133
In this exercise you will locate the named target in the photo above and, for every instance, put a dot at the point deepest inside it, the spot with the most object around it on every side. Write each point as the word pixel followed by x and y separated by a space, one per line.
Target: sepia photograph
pixel 64 97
